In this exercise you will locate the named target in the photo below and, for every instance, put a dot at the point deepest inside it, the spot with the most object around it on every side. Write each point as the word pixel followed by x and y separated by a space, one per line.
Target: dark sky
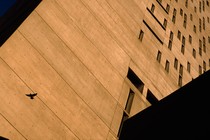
pixel 5 5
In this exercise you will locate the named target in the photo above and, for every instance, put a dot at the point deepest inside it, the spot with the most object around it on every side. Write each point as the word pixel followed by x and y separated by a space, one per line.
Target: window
pixel 182 49
pixel 171 36
pixel 176 63
pixel 209 39
pixel 185 21
pixel 204 66
pixel 167 66
pixel 141 35
pixel 159 56
pixel 13 14
pixel 200 47
pixel 135 80
pixel 204 44
pixel 200 70
pixel 204 26
pixel 191 17
pixel 151 98
pixel 194 53
pixel 173 19
pixel 126 111
pixel 167 8
pixel 195 9
pixel 186 3
pixel 152 8
pixel 180 81
pixel 190 39
pixel 188 67
pixel 179 35
pixel 169 44
pixel 194 28
pixel 164 23
pixel 183 40
pixel 200 25
pixel 181 12
pixel 180 70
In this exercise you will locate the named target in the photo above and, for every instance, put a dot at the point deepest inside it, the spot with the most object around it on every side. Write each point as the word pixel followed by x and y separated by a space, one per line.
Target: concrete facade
pixel 76 55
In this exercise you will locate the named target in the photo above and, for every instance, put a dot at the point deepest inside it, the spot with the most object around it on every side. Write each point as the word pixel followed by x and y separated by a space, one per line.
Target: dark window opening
pixel 151 98
pixel 135 80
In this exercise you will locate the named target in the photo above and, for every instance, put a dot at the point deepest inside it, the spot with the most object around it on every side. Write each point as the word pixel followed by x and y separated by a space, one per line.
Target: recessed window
pixel 181 12
pixel 181 70
pixel 151 98
pixel 204 66
pixel 167 66
pixel 188 67
pixel 182 49
pixel 190 39
pixel 135 80
pixel 164 23
pixel 141 35
pixel 194 53
pixel 152 8
pixel 179 35
pixel 167 8
pixel 169 44
pixel 180 81
pixel 200 70
pixel 176 63
pixel 159 56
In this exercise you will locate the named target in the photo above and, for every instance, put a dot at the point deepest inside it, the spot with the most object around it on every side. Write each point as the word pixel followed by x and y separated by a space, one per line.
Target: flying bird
pixel 31 95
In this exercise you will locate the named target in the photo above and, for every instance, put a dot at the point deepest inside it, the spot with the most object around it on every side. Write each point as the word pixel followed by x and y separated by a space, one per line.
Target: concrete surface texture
pixel 76 55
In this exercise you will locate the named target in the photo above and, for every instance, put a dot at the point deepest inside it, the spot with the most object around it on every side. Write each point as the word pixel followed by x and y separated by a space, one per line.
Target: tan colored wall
pixel 75 55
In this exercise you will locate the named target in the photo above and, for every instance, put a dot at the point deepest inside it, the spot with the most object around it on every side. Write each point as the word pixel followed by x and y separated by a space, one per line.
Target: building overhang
pixel 184 114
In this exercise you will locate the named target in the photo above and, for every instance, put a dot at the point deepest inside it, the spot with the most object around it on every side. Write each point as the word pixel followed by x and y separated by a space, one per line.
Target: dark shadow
pixel 13 14
pixel 31 95
pixel 2 138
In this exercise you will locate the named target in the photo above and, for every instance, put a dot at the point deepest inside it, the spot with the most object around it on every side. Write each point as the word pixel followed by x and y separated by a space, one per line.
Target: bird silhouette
pixel 31 95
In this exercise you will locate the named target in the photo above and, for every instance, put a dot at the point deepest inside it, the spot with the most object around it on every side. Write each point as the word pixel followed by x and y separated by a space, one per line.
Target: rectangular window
pixel 186 3
pixel 171 36
pixel 204 66
pixel 194 53
pixel 176 63
pixel 182 49
pixel 167 66
pixel 200 25
pixel 180 81
pixel 164 23
pixel 200 47
pixel 200 70
pixel 204 26
pixel 204 44
pixel 159 56
pixel 169 44
pixel 190 39
pixel 183 40
pixel 167 8
pixel 151 98
pixel 181 70
pixel 188 67
pixel 135 80
pixel 179 35
pixel 195 9
pixel 141 35
pixel 181 12
pixel 191 17
pixel 194 28
pixel 152 8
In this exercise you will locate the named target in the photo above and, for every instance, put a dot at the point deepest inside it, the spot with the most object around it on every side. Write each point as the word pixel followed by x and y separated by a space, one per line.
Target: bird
pixel 31 95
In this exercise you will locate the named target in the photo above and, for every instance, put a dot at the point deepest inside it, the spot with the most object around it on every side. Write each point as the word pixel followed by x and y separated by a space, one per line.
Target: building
pixel 94 63
pixel 184 114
